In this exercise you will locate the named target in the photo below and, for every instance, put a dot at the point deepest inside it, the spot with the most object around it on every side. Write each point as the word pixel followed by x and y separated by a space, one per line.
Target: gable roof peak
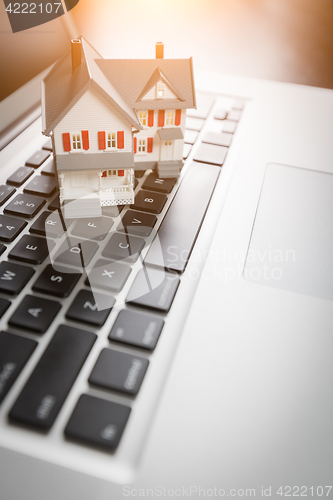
pixel 156 77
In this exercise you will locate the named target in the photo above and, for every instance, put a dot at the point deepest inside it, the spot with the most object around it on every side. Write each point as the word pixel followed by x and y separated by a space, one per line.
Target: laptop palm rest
pixel 291 246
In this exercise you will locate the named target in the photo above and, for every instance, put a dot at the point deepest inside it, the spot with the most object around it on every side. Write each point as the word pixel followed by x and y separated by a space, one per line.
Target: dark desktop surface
pixel 283 40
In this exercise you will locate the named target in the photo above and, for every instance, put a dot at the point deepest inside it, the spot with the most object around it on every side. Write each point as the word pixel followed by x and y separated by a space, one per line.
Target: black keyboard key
pixel 194 123
pixel 112 211
pixel 55 203
pixel 208 153
pixel 149 202
pixel 35 314
pixel 139 173
pixel 49 168
pixel 108 275
pixel 137 223
pixel 186 150
pixel 31 249
pixel 137 329
pixel 190 136
pixel 49 384
pixel 154 183
pixel 229 126
pixel 222 139
pixel 24 205
pixel 154 289
pixel 182 222
pixel 220 114
pixel 56 283
pixel 48 145
pixel 20 176
pixel 97 422
pixel 5 193
pixel 10 228
pixel 2 248
pixel 41 186
pixel 14 277
pixel 77 253
pixel 234 115
pixel 91 308
pixel 238 104
pixel 123 247
pixel 50 224
pixel 37 158
pixel 95 228
pixel 119 371
pixel 14 353
pixel 4 304
pixel 204 104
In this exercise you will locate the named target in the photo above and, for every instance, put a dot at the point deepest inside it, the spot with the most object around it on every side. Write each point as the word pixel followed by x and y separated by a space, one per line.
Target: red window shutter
pixel 121 173
pixel 85 139
pixel 150 145
pixel 135 143
pixel 151 118
pixel 66 140
pixel 178 116
pixel 104 174
pixel 161 114
pixel 120 139
pixel 101 140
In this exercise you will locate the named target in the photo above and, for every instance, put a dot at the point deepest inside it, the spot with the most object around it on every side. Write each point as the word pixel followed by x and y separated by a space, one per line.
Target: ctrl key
pixel 97 422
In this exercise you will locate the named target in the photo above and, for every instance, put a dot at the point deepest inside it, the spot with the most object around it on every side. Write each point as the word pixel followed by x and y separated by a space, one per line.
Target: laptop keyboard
pixel 110 246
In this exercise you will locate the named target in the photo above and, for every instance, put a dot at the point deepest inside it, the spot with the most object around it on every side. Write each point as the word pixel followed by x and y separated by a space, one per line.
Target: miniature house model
pixel 108 117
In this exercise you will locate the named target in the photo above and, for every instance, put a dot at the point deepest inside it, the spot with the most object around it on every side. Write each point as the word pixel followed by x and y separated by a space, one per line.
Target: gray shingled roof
pixel 123 82
pixel 62 88
pixel 170 133
pixel 131 76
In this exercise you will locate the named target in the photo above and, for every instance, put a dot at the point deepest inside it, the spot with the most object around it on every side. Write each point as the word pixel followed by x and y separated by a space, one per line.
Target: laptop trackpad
pixel 291 245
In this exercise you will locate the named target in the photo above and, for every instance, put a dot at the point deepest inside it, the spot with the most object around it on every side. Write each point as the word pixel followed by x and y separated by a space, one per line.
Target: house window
pixel 111 140
pixel 143 115
pixel 76 142
pixel 141 145
pixel 170 117
pixel 160 90
pixel 112 172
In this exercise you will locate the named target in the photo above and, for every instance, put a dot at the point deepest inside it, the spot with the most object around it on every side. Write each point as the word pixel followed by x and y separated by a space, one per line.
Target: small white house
pixel 108 117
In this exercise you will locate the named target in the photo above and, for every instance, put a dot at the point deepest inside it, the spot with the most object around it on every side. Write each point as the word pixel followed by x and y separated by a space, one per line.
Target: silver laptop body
pixel 237 400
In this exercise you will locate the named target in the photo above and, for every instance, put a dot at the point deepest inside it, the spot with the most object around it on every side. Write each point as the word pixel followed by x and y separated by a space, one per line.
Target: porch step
pixel 167 169
pixel 88 206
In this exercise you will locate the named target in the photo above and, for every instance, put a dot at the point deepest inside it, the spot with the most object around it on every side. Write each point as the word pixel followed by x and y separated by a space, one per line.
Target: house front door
pixel 167 150
pixel 78 179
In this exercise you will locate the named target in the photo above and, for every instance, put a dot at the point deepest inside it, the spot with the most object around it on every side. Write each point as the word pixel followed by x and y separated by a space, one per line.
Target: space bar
pixel 181 224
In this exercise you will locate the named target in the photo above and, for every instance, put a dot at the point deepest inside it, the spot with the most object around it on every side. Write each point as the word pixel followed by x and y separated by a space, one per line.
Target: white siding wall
pixel 168 94
pixel 71 192
pixel 152 132
pixel 91 178
pixel 94 113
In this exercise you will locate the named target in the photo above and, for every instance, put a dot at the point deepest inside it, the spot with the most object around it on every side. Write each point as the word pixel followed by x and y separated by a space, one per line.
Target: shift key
pixel 45 392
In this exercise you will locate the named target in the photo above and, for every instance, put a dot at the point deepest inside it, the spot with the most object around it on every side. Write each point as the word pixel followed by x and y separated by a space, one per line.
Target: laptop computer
pixel 234 393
